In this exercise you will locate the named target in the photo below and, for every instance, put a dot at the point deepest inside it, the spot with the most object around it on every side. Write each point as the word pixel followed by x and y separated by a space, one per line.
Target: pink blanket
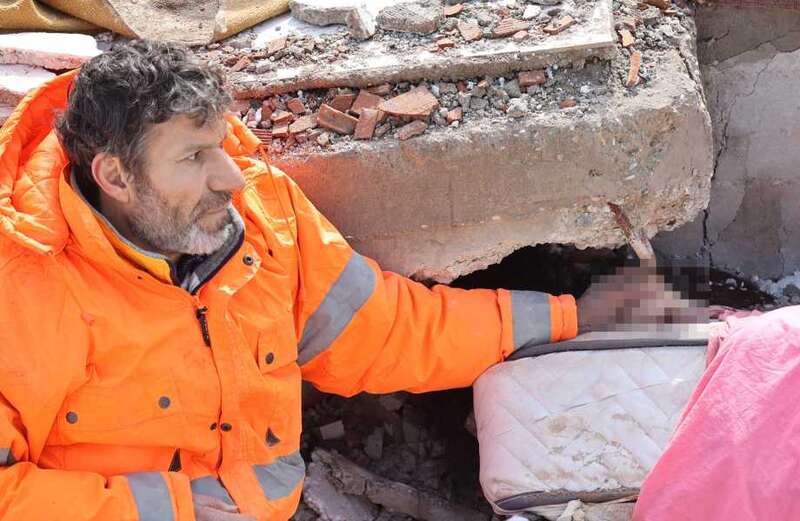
pixel 735 454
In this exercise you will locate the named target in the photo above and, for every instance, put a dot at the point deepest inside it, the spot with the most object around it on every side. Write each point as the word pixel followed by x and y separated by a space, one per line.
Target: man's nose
pixel 225 175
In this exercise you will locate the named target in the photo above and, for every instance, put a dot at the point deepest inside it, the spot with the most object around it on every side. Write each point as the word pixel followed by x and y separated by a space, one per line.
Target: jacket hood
pixel 32 169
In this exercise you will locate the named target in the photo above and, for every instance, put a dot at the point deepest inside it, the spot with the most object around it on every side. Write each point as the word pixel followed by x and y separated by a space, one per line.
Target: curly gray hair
pixel 119 95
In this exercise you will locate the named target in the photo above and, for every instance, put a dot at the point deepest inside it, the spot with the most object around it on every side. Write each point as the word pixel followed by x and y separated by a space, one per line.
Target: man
pixel 163 293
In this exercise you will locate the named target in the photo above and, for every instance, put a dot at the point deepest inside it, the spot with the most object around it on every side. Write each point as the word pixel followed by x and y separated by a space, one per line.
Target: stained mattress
pixel 584 419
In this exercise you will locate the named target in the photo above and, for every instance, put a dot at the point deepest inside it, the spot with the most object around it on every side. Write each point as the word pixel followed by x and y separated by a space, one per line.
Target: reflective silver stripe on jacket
pixel 530 317
pixel 279 478
pixel 152 496
pixel 345 298
pixel 210 486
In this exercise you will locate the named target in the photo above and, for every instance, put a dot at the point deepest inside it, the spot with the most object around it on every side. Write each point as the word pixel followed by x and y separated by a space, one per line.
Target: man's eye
pixel 193 157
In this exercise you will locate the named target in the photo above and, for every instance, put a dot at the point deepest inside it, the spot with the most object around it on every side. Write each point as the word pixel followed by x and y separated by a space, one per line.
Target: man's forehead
pixel 183 131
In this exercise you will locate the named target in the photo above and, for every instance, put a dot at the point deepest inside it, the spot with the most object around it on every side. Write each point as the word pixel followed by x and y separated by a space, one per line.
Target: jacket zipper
pixel 201 314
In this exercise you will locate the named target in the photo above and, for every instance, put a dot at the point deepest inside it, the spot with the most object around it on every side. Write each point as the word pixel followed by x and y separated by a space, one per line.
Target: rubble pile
pixel 341 115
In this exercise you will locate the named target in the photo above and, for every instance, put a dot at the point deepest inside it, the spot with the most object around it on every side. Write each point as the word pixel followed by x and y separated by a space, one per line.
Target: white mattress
pixel 579 424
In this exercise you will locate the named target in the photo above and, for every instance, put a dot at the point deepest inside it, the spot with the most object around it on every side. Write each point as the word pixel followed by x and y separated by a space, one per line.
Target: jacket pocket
pixel 277 344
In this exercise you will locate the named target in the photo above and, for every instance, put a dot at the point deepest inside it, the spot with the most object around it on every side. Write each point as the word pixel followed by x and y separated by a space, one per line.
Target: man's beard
pixel 168 229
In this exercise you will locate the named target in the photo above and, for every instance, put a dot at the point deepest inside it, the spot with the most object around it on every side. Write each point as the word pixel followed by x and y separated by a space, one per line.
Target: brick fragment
pixel 509 26
pixel 456 114
pixel 276 45
pixel 265 136
pixel 240 65
pixel 661 4
pixel 556 26
pixel 529 78
pixel 445 43
pixel 416 103
pixel 380 90
pixel 266 110
pixel 342 102
pixel 303 123
pixel 453 10
pixel 296 106
pixel 630 23
pixel 470 31
pixel 633 71
pixel 336 120
pixel 520 36
pixel 415 128
pixel 366 123
pixel 626 37
pixel 280 131
pixel 568 103
pixel 281 117
pixel 365 100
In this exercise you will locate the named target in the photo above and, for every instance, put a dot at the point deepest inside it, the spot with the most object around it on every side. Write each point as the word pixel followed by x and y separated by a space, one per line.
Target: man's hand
pixel 208 508
pixel 635 296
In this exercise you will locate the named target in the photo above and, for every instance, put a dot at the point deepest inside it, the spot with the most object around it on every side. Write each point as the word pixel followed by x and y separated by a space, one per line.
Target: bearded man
pixel 164 294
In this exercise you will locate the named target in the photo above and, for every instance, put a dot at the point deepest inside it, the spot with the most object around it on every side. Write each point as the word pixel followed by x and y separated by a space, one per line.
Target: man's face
pixel 182 197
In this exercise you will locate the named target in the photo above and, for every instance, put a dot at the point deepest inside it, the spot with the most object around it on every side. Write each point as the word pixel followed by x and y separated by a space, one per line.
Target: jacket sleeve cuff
pixel 563 318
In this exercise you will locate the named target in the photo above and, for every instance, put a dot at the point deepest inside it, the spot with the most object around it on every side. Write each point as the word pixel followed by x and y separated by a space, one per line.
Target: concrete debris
pixel 391 402
pixel 17 80
pixel 545 2
pixel 56 51
pixel 362 23
pixel 332 505
pixel 373 445
pixel 517 108
pixel 416 16
pixel 332 431
pixel 531 12
pixel 323 12
pixel 661 4
pixel 349 478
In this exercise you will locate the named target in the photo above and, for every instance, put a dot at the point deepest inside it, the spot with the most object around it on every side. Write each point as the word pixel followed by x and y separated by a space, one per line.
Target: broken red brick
pixel 303 123
pixel 381 90
pixel 366 123
pixel 415 128
pixel 509 26
pixel 568 103
pixel 415 103
pixel 456 114
pixel 342 102
pixel 276 45
pixel 281 131
pixel 556 26
pixel 626 37
pixel 453 10
pixel 240 106
pixel 661 4
pixel 231 60
pixel 518 37
pixel 266 110
pixel 296 106
pixel 365 100
pixel 281 117
pixel 336 120
pixel 529 78
pixel 240 65
pixel 633 71
pixel 470 31
pixel 265 136
pixel 445 43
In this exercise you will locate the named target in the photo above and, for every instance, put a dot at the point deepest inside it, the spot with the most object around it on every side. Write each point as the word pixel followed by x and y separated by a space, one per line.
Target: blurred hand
pixel 635 296
pixel 208 508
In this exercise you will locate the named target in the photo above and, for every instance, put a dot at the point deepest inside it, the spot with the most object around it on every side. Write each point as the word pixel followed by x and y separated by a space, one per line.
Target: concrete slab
pixel 49 50
pixel 448 202
pixel 373 62
pixel 17 80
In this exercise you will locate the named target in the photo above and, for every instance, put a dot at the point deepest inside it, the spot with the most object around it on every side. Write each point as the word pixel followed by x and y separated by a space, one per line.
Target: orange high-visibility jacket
pixel 122 395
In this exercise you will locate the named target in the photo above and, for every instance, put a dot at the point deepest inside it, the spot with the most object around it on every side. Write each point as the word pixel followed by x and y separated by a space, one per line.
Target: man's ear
pixel 111 177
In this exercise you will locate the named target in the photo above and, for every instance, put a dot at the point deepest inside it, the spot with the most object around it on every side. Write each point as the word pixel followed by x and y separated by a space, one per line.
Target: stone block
pixel 55 51
pixel 17 80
